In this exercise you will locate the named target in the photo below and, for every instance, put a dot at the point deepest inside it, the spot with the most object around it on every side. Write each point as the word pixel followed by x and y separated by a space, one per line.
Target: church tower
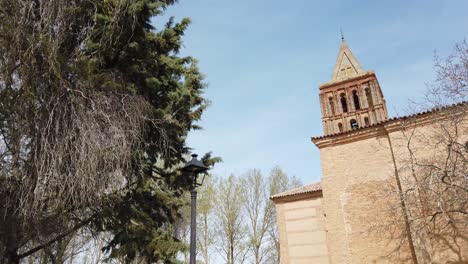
pixel 353 98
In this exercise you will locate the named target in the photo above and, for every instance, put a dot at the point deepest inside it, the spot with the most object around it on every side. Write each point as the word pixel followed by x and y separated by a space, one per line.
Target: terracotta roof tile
pixel 314 187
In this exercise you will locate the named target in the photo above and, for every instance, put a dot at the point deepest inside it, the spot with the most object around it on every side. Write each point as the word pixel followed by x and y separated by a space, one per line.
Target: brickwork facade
pixel 366 166
pixel 353 97
pixel 359 186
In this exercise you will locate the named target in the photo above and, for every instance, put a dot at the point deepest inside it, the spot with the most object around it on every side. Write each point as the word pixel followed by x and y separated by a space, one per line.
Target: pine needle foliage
pixel 95 107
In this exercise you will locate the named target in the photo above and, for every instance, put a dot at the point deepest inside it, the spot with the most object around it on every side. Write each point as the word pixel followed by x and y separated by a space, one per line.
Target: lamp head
pixel 195 166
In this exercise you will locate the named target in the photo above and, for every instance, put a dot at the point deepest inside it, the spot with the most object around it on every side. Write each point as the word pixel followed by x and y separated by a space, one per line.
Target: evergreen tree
pixel 95 107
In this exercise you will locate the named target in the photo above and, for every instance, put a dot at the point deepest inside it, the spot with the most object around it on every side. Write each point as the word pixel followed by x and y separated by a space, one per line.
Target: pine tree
pixel 95 107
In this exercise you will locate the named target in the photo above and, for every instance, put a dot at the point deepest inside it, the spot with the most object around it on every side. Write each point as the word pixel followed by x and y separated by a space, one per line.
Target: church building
pixel 347 217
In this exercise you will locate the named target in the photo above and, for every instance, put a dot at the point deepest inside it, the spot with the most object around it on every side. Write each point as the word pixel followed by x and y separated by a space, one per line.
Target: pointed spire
pixel 346 66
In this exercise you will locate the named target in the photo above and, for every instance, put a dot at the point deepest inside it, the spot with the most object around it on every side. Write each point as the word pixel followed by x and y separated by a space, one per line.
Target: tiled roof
pixel 314 187
pixel 435 109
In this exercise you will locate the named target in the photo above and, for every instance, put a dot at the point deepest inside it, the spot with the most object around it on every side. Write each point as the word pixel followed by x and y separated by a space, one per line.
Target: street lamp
pixel 193 169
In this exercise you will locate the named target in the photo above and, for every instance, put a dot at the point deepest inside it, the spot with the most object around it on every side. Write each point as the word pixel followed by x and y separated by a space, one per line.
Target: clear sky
pixel 265 59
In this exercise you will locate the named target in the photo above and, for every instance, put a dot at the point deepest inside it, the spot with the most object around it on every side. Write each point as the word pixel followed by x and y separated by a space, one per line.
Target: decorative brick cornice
pixel 390 125
pixel 369 75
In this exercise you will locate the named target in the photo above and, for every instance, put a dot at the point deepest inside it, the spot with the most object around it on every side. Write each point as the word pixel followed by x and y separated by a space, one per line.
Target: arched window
pixel 356 100
pixel 369 97
pixel 366 121
pixel 354 124
pixel 340 127
pixel 331 105
pixel 344 105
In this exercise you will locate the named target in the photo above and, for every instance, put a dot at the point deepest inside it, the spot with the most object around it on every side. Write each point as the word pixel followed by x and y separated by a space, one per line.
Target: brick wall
pixel 359 189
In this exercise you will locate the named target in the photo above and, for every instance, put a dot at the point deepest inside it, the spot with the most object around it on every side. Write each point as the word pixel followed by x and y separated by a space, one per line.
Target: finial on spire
pixel 342 36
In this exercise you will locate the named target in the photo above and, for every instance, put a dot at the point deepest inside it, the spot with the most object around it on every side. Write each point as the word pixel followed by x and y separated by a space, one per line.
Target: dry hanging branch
pixel 95 107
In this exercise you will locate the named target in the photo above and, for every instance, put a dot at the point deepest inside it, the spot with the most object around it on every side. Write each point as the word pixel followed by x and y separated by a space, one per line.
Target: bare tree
pixel 236 219
pixel 206 236
pixel 451 84
pixel 430 156
pixel 232 245
pixel 279 181
pixel 259 211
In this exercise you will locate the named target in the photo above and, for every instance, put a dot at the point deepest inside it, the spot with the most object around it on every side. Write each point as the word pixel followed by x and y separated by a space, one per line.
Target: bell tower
pixel 353 98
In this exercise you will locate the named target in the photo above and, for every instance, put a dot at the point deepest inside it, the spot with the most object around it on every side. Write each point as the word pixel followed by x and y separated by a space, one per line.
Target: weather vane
pixel 342 36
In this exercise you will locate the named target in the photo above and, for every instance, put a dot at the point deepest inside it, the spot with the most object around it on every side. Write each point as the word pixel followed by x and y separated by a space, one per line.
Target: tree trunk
pixel 231 257
pixel 205 253
pixel 11 256
pixel 257 255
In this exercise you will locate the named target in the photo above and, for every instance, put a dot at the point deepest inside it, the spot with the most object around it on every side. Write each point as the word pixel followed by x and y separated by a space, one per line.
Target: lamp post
pixel 193 169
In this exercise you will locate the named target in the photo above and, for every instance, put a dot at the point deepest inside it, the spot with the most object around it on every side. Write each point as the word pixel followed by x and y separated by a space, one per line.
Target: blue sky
pixel 264 61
